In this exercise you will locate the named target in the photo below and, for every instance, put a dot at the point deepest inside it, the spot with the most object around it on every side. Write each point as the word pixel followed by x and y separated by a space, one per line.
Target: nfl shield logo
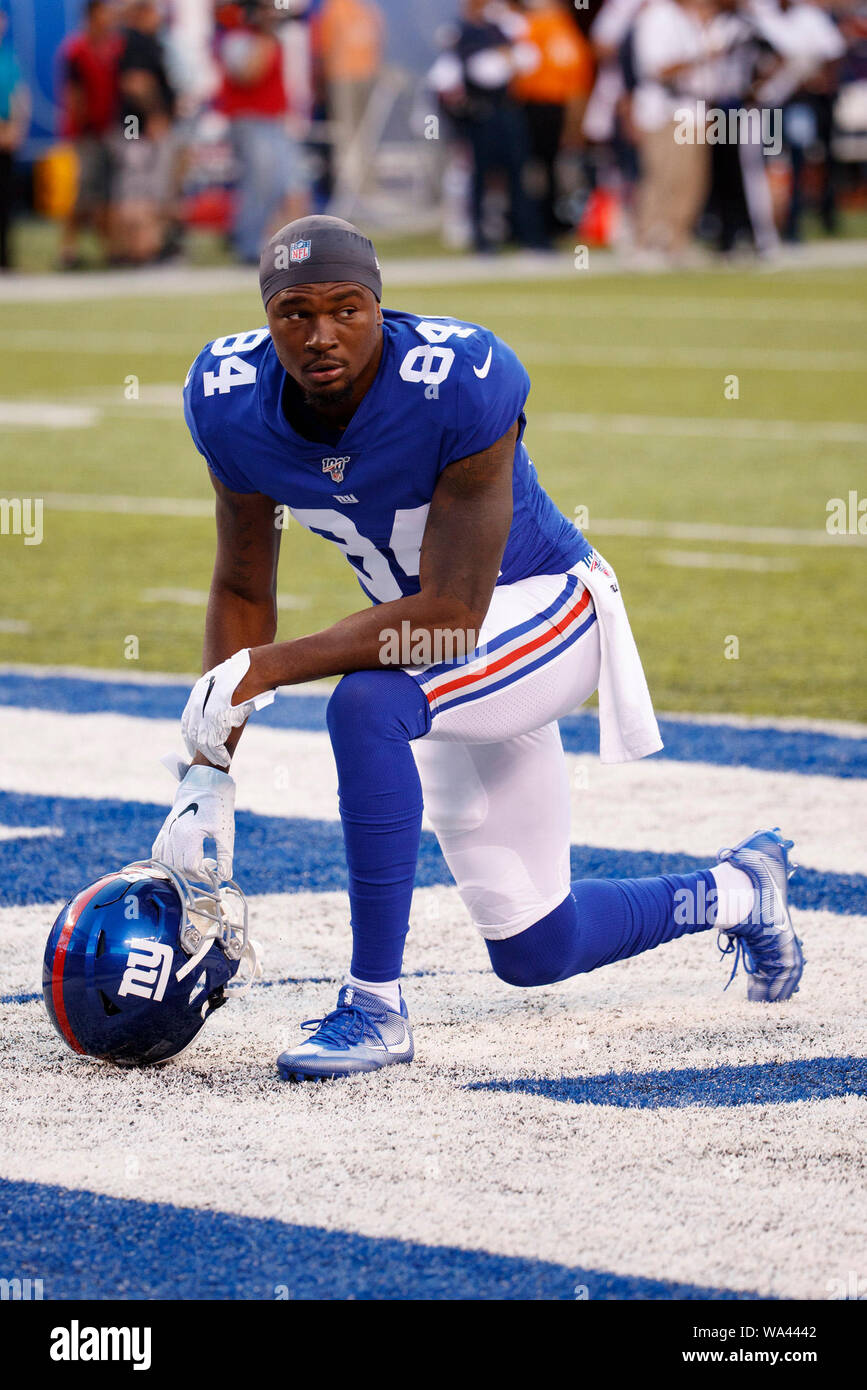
pixel 299 251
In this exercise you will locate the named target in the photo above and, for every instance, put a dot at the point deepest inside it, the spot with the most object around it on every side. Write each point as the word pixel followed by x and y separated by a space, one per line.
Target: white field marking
pixel 100 342
pixel 421 273
pixel 633 1191
pixel 46 415
pixel 198 598
pixel 130 676
pixel 710 560
pixel 654 804
pixel 143 506
pixel 696 307
pixel 845 728
pixel 15 627
pixel 28 832
pixel 625 526
pixel 732 359
pixel 697 427
pixel 711 531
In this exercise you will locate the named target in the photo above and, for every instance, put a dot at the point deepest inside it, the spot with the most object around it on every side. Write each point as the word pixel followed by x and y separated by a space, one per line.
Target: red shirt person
pixel 89 109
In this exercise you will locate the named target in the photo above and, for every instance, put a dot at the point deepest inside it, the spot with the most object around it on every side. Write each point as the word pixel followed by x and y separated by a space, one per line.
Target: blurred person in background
pixel 347 38
pixel 740 205
pixel 89 62
pixel 472 79
pixel 14 120
pixel 273 183
pixel 553 93
pixel 611 160
pixel 805 84
pixel 671 51
pixel 144 225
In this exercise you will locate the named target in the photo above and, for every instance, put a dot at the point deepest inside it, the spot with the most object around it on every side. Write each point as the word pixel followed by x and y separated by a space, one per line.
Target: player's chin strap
pixel 217 912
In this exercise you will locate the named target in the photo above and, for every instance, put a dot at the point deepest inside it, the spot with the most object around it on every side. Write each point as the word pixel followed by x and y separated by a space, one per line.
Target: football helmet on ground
pixel 137 961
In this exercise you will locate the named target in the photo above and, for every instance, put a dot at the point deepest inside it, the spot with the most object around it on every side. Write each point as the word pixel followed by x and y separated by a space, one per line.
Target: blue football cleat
pixel 766 941
pixel 361 1034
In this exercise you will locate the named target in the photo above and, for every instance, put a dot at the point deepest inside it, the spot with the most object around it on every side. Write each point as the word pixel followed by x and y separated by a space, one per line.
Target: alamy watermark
pixel 738 125
pixel 22 516
pixel 409 646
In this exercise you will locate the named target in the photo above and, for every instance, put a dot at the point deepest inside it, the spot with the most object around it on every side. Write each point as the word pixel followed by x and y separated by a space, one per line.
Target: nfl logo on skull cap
pixel 299 251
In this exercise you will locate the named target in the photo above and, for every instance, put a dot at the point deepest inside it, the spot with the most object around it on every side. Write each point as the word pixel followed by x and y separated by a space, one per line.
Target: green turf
pixel 652 346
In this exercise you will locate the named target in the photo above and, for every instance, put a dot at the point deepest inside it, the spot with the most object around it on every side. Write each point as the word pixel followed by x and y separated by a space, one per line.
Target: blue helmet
pixel 139 959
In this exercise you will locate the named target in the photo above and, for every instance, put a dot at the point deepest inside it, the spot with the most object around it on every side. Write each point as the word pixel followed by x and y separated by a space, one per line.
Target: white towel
pixel 627 724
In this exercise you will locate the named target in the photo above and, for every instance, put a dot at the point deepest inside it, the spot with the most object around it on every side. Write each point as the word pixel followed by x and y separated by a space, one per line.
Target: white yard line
pixel 711 560
pixel 198 598
pixel 727 428
pixel 697 358
pixel 698 307
pixel 603 526
pixel 182 280
pixel 46 415
pixel 28 832
pixel 711 531
pixel 143 506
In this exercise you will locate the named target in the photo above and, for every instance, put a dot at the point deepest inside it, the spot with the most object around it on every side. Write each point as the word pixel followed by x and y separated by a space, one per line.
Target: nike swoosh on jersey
pixel 483 371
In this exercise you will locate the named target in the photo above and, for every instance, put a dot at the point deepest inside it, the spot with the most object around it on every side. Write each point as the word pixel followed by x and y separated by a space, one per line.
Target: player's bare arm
pixel 242 604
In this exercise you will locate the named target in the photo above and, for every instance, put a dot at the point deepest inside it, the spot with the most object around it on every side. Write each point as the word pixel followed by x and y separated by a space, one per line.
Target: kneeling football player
pixel 399 439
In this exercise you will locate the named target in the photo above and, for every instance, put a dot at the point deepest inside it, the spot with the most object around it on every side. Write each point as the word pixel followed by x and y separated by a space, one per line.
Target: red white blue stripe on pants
pixel 512 654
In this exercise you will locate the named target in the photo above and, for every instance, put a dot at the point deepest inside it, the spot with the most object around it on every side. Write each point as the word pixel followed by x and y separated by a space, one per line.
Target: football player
pixel 398 437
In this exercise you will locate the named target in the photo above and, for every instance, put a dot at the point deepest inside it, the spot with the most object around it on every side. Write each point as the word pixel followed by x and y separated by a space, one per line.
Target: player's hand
pixel 210 716
pixel 204 807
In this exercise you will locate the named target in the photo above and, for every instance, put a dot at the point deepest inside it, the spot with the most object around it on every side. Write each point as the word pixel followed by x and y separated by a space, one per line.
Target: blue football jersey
pixel 444 389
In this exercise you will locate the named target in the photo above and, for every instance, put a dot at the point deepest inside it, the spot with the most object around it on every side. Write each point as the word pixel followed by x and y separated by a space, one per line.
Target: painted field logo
pixel 335 467
pixel 147 969
pixel 20 1290
pixel 76 1343
pixel 22 516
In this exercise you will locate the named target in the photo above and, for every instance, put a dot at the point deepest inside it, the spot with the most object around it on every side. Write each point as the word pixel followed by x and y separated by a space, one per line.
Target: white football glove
pixel 210 716
pixel 204 807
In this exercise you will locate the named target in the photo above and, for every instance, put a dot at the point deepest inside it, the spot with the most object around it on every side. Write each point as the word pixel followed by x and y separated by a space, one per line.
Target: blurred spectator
pixel 347 38
pixel 14 119
pixel 671 48
pixel 553 93
pixel 740 205
pixel 273 185
pixel 805 85
pixel 89 94
pixel 472 78
pixel 143 223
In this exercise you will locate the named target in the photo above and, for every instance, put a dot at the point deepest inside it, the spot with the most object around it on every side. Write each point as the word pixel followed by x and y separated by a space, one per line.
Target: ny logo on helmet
pixel 147 969
pixel 336 467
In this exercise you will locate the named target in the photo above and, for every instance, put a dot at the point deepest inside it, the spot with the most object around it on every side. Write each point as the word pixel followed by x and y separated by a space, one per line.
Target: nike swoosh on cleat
pixel 483 371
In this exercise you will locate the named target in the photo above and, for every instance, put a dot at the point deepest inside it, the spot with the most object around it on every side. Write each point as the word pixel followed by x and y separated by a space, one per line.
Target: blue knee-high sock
pixel 603 920
pixel 372 716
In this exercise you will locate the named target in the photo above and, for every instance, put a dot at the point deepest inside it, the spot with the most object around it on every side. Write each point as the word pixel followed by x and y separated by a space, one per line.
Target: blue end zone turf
pixel 86 1246
pixel 763 1083
pixel 276 854
pixel 767 749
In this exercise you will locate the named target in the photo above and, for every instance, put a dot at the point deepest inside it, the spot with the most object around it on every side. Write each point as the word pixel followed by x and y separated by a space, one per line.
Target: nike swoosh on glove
pixel 210 716
pixel 204 807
